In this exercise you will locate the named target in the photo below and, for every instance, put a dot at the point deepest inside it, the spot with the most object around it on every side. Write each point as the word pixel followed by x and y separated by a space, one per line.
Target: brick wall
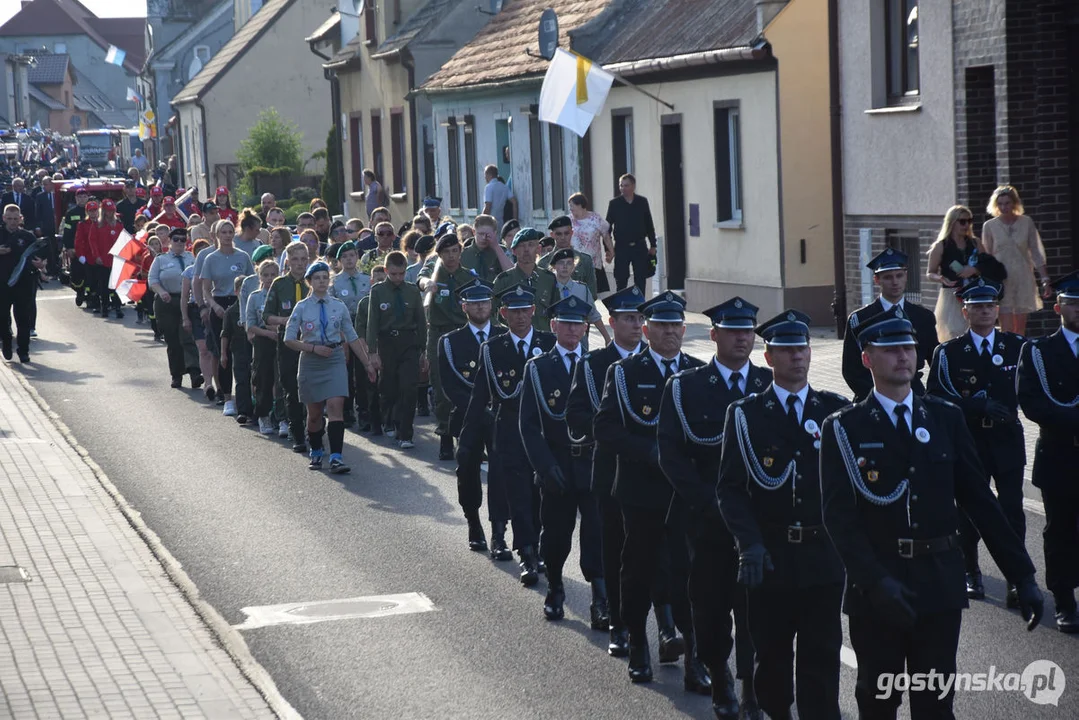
pixel 883 228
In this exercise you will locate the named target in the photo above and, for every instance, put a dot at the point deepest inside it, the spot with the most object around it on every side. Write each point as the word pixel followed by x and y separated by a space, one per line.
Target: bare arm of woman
pixel 987 239
pixel 933 265
pixel 1037 252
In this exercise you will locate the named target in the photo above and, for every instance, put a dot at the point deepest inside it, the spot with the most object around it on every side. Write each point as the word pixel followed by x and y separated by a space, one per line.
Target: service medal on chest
pixel 998 360
pixel 646 410
pixel 873 475
pixel 812 428
pixel 922 435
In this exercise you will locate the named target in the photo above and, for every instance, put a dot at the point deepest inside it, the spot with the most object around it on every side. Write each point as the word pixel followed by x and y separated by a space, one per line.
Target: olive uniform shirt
pixel 283 296
pixel 541 282
pixel 395 307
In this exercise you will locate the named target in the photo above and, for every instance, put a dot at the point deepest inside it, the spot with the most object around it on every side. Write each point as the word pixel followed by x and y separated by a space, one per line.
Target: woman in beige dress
pixel 952 263
pixel 1011 237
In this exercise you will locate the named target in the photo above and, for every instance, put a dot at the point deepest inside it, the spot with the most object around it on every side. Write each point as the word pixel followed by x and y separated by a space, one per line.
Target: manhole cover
pixel 301 613
pixel 13 574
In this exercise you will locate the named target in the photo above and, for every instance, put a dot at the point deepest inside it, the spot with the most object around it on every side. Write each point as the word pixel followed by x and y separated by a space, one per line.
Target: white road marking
pixel 848 657
pixel 305 613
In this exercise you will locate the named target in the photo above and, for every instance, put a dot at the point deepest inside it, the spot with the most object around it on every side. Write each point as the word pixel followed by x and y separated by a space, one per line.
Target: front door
pixel 674 203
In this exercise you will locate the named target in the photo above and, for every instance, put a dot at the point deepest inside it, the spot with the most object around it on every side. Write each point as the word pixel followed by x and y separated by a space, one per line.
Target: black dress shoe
pixel 196 380
pixel 671 646
pixel 618 646
pixel 1011 600
pixel 553 604
pixel 724 698
pixel 541 567
pixel 975 587
pixel 499 550
pixel 529 574
pixel 477 541
pixel 24 358
pixel 640 661
pixel 599 610
pixel 445 448
pixel 1068 621
pixel 7 348
pixel 299 448
pixel 177 382
pixel 751 709
pixel 697 678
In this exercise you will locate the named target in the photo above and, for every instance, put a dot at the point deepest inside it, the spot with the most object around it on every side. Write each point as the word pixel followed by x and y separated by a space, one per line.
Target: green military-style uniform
pixel 372 257
pixel 541 282
pixel 585 272
pixel 397 331
pixel 444 315
pixel 284 294
pixel 484 263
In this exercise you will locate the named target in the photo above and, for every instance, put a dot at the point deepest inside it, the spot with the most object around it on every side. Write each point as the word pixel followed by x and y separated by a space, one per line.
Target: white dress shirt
pixel 1072 338
pixel 660 360
pixel 889 407
pixel 726 373
pixel 977 340
pixel 486 330
pixel 799 407
pixel 564 352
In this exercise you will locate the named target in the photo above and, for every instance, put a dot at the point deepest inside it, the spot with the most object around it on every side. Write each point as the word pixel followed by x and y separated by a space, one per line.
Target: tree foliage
pixel 273 146
pixel 331 193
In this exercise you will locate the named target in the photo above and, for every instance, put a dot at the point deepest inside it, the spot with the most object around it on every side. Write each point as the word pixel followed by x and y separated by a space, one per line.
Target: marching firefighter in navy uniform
pixel 976 371
pixel 458 361
pixel 769 495
pixel 626 321
pixel 75 215
pixel 498 386
pixel 626 423
pixel 1048 388
pixel 890 275
pixel 690 443
pixel 562 466
pixel 893 469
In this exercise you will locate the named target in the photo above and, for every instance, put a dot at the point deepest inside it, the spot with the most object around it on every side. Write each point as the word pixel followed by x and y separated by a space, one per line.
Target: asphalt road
pixel 253 527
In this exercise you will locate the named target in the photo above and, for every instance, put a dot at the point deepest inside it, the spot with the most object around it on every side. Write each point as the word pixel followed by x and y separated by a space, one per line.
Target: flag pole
pixel 639 89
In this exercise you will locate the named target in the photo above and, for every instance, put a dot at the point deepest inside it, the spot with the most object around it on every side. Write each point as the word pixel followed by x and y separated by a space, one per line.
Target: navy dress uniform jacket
pixel 780 489
pixel 857 376
pixel 961 375
pixel 458 362
pixel 1048 390
pixel 543 426
pixel 876 490
pixel 626 422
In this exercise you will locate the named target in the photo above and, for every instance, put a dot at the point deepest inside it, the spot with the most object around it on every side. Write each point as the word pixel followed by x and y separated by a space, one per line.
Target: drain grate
pixel 13 574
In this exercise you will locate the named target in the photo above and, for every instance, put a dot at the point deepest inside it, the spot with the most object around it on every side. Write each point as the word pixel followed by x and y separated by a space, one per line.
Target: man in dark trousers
pixel 458 361
pixel 562 465
pixel 890 275
pixel 634 234
pixel 769 494
pixel 690 444
pixel 896 469
pixel 1048 388
pixel 22 257
pixel 976 371
pixel 498 387
pixel 626 321
pixel 626 423
pixel 45 223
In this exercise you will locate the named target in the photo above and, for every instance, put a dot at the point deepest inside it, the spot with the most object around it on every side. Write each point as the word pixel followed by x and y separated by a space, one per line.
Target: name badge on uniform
pixel 444 293
pixel 344 293
pixel 234 268
pixel 998 360
pixel 922 435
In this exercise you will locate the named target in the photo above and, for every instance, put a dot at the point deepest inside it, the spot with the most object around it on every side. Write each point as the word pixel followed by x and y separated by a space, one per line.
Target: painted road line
pixel 305 613
pixel 848 657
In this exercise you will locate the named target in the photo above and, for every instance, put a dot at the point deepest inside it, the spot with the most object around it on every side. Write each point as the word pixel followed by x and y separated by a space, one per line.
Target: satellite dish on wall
pixel 548 33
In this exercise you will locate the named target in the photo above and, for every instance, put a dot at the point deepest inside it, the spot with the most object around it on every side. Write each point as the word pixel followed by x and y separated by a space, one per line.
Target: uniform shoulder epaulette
pixel 935 400
pixel 836 397
pixel 742 400
pixel 841 412
pixel 854 319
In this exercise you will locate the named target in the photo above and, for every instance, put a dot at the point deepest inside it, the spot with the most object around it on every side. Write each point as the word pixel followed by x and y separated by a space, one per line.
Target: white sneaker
pixel 265 426
pixel 230 409
pixel 406 444
pixel 282 429
pixel 389 431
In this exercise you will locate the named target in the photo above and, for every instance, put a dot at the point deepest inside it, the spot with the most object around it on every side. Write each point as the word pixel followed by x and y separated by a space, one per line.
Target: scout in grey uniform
pixel 264 346
pixel 348 286
pixel 166 280
pixel 562 264
pixel 317 328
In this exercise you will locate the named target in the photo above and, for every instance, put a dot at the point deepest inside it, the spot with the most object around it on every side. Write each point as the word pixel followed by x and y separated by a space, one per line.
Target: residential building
pixel 265 64
pixel 52 82
pixel 736 172
pixel 186 34
pixel 943 101
pixel 484 108
pixel 386 126
pixel 16 89
pixel 66 27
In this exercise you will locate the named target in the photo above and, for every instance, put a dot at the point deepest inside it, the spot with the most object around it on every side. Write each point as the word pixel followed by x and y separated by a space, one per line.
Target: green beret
pixel 261 253
pixel 525 235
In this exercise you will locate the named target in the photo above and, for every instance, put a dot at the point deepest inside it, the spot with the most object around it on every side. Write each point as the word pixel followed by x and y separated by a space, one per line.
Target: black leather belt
pixel 987 423
pixel 396 333
pixel 797 534
pixel 580 450
pixel 909 548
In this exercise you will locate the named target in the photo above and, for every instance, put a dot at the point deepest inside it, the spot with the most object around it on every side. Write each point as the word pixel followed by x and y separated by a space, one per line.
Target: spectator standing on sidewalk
pixel 496 194
pixel 634 234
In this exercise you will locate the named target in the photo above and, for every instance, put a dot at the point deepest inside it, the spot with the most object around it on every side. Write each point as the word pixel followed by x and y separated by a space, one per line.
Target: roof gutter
pixel 480 87
pixel 387 55
pixel 760 51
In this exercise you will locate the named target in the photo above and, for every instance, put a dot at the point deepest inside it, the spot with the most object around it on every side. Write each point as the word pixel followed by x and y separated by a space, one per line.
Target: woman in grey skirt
pixel 320 329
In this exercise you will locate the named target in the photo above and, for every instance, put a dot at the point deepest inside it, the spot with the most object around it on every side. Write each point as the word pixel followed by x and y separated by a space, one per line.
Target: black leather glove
pixel 554 481
pixel 1031 602
pixel 892 600
pixel 998 411
pixel 752 562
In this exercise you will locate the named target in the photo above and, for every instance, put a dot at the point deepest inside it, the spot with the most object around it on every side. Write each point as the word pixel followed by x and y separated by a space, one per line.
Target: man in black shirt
pixel 127 208
pixel 21 259
pixel 631 223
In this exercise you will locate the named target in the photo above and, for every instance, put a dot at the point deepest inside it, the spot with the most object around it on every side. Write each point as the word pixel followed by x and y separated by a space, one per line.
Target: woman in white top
pixel 1014 240
pixel 592 235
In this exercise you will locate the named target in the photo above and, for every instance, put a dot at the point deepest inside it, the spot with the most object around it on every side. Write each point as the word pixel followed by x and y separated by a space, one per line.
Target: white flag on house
pixel 115 55
pixel 574 91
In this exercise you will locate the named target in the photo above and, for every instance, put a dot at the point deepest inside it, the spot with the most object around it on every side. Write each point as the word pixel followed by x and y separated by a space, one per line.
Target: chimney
pixel 766 12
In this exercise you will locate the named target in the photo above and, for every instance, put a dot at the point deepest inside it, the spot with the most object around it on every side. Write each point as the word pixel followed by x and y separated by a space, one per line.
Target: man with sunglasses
pixel 387 240
pixel 890 275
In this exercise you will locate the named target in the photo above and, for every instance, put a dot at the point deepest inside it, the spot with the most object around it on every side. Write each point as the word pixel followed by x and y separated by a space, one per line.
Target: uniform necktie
pixel 901 421
pixel 352 282
pixel 985 346
pixel 792 408
pixel 565 292
pixel 521 348
pixel 299 292
pixel 736 382
pixel 398 303
pixel 668 367
pixel 323 322
pixel 480 336
pixel 572 357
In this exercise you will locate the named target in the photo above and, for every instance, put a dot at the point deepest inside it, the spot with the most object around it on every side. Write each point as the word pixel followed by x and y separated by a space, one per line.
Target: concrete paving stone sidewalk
pixel 99 630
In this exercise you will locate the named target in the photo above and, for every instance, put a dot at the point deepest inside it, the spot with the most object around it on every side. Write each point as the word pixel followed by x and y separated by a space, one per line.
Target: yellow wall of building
pixel 799 38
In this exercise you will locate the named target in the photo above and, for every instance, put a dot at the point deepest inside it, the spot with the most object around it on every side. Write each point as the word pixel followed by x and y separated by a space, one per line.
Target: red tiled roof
pixel 497 52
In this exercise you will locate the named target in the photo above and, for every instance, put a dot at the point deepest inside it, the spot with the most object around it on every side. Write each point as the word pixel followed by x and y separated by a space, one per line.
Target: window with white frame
pixel 727 131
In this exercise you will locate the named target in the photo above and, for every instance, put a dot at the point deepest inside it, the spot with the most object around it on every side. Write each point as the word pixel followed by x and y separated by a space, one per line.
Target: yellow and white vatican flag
pixel 574 90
